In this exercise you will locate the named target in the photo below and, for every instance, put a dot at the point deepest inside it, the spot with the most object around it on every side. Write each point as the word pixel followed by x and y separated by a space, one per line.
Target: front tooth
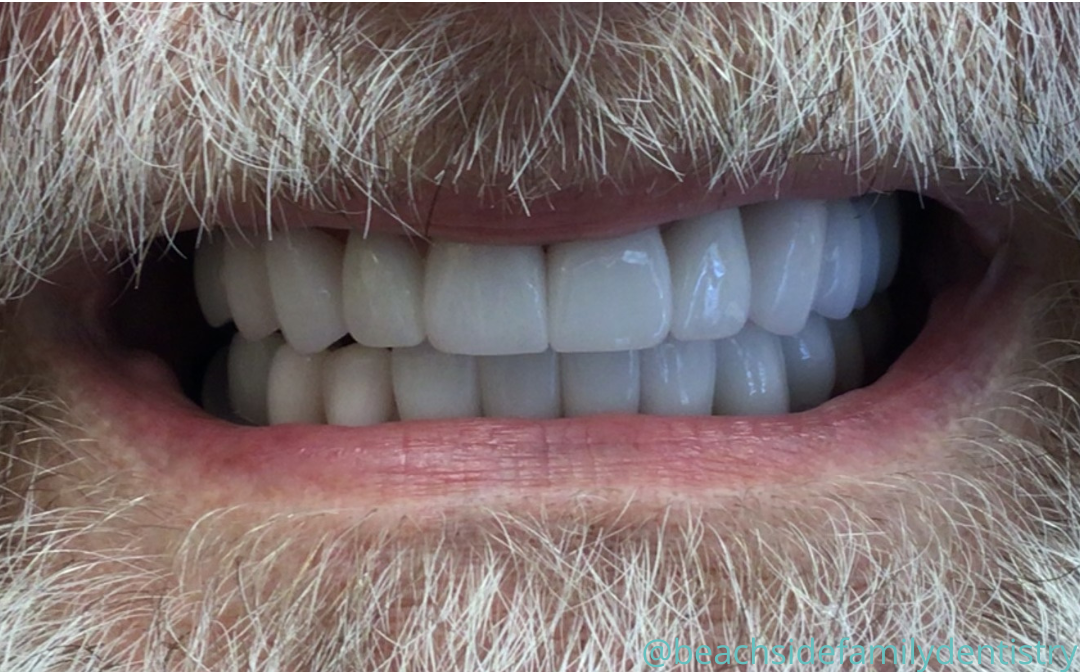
pixel 429 384
pixel 609 295
pixel 305 279
pixel 871 250
pixel 520 386
pixel 886 209
pixel 750 375
pixel 485 299
pixel 357 390
pixel 710 276
pixel 847 343
pixel 841 262
pixel 247 287
pixel 785 241
pixel 294 387
pixel 209 286
pixel 249 371
pixel 810 363
pixel 383 287
pixel 678 377
pixel 600 382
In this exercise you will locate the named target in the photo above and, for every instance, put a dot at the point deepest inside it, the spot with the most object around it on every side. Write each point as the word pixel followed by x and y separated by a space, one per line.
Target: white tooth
pixel 847 344
pixel 383 288
pixel 247 287
pixel 485 299
pixel 785 241
pixel 600 382
pixel 429 384
pixel 249 371
pixel 520 386
pixel 357 390
pixel 871 250
pixel 609 295
pixel 678 377
pixel 810 363
pixel 750 375
pixel 710 276
pixel 294 387
pixel 215 387
pixel 841 262
pixel 305 279
pixel 209 286
pixel 886 209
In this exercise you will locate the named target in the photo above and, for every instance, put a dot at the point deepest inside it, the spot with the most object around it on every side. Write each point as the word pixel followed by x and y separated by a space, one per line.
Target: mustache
pixel 119 122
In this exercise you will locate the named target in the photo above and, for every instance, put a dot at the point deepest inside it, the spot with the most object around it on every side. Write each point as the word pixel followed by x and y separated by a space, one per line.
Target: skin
pixel 123 125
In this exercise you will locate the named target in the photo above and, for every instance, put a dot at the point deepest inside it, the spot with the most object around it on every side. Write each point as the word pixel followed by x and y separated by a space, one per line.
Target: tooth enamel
pixel 294 387
pixel 429 384
pixel 886 211
pixel 784 240
pixel 870 257
pixel 485 299
pixel 209 286
pixel 847 344
pixel 841 262
pixel 710 276
pixel 810 364
pixel 215 386
pixel 383 289
pixel 609 295
pixel 249 371
pixel 750 375
pixel 305 279
pixel 678 377
pixel 520 386
pixel 357 389
pixel 600 382
pixel 247 288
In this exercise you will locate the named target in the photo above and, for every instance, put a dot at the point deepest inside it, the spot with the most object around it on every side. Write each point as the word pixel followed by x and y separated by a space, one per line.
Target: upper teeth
pixel 699 280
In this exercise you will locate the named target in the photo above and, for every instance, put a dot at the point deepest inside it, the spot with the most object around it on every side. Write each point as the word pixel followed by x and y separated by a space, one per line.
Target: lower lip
pixel 952 365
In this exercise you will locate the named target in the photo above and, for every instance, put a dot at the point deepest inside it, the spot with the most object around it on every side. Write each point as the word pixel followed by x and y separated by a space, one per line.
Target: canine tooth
pixel 429 384
pixel 847 344
pixel 870 255
pixel 209 286
pixel 886 209
pixel 784 240
pixel 750 375
pixel 710 276
pixel 249 371
pixel 357 390
pixel 810 363
pixel 247 288
pixel 841 262
pixel 678 377
pixel 609 295
pixel 305 280
pixel 215 387
pixel 383 288
pixel 294 387
pixel 520 386
pixel 600 382
pixel 485 299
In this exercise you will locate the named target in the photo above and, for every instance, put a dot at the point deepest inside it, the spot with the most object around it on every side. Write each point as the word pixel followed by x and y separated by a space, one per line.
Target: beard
pixel 976 546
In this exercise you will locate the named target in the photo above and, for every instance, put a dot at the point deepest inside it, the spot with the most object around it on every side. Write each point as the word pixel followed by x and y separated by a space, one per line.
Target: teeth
pixel 870 257
pixel 592 285
pixel 886 210
pixel 294 387
pixel 249 371
pixel 785 241
pixel 810 363
pixel 520 386
pixel 678 377
pixel 600 382
pixel 305 279
pixel 847 343
pixel 383 280
pixel 209 285
pixel 357 388
pixel 841 262
pixel 710 276
pixel 485 299
pixel 429 384
pixel 750 374
pixel 247 287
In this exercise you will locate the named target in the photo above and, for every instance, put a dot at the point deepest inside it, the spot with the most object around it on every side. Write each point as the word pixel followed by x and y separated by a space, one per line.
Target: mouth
pixel 764 342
